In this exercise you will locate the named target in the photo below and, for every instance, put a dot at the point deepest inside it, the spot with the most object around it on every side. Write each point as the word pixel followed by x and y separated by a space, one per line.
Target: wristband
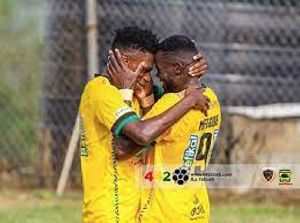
pixel 147 101
pixel 127 94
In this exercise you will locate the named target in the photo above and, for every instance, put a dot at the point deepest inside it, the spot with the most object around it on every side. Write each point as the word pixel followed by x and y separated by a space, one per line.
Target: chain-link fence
pixel 252 47
pixel 255 43
pixel 20 74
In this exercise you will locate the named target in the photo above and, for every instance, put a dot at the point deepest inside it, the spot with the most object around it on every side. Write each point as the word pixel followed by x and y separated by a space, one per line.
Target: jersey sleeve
pixel 109 107
pixel 163 104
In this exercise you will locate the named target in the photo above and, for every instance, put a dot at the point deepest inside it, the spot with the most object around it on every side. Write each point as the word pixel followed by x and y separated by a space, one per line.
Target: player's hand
pixel 119 73
pixel 200 67
pixel 143 86
pixel 126 147
pixel 200 101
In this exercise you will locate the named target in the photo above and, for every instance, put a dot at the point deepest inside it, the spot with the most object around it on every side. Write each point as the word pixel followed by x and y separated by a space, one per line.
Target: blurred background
pixel 253 51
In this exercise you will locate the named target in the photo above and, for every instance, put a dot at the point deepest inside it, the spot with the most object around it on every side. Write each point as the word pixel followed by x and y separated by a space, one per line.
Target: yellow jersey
pixel 110 193
pixel 186 145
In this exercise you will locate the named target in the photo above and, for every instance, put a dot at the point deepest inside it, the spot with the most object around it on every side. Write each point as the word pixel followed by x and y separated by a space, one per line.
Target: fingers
pixel 119 58
pixel 204 111
pixel 139 91
pixel 113 61
pixel 199 68
pixel 193 88
pixel 189 90
pixel 138 86
pixel 207 98
pixel 140 68
pixel 141 81
pixel 109 71
pixel 207 105
pixel 111 68
pixel 198 56
pixel 147 78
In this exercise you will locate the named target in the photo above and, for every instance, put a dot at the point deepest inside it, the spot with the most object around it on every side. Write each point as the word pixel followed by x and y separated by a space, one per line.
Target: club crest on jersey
pixel 197 211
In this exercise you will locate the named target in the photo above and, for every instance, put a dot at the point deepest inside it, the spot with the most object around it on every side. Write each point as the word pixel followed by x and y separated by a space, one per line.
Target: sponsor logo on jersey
pixel 190 152
pixel 181 174
pixel 123 110
pixel 83 144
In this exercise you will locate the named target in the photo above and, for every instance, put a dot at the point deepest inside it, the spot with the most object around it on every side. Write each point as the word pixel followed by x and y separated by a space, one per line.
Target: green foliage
pixel 21 61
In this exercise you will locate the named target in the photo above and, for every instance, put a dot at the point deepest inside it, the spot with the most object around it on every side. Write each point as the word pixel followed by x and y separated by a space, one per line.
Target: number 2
pixel 167 176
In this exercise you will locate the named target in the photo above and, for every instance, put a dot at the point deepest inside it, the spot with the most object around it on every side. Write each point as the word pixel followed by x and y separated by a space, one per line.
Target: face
pixel 134 58
pixel 170 75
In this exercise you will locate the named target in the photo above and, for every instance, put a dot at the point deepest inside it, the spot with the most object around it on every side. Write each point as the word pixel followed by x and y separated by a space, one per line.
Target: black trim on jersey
pixel 145 206
pixel 101 75
pixel 116 178
pixel 120 119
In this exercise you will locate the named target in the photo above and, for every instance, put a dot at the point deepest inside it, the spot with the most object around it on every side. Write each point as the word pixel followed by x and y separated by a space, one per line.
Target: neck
pixel 191 82
pixel 181 87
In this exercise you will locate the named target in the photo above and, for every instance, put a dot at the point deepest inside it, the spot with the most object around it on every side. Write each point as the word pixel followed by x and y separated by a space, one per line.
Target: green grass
pixel 250 213
pixel 58 212
pixel 44 207
pixel 41 207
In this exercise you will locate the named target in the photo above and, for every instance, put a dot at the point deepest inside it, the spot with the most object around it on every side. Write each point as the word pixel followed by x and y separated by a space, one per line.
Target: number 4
pixel 203 153
pixel 204 148
pixel 149 176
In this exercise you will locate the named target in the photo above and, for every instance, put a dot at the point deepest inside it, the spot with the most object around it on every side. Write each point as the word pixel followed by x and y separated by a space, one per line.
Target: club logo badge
pixel 285 177
pixel 268 175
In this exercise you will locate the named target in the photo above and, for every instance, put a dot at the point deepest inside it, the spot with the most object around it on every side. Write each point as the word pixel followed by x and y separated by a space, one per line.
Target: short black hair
pixel 178 43
pixel 133 37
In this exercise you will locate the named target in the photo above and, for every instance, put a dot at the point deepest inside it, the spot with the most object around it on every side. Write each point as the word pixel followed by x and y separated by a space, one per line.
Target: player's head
pixel 136 45
pixel 173 59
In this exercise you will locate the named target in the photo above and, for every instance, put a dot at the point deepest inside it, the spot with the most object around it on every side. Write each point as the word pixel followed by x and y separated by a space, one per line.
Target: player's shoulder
pixel 209 92
pixel 101 85
pixel 169 99
pixel 98 81
pixel 163 104
pixel 214 101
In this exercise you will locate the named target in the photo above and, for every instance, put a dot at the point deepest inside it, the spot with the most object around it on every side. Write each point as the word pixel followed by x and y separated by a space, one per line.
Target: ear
pixel 178 68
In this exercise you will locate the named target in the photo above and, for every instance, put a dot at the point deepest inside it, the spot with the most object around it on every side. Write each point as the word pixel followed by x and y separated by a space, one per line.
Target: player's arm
pixel 155 125
pixel 117 116
pixel 145 131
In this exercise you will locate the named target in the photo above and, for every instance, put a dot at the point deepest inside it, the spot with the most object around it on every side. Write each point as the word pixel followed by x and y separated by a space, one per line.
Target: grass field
pixel 44 207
